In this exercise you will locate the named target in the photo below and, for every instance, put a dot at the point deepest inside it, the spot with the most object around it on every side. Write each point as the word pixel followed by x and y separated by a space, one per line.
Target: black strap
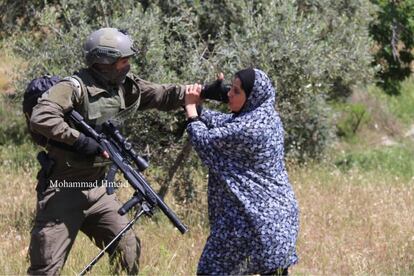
pixel 192 119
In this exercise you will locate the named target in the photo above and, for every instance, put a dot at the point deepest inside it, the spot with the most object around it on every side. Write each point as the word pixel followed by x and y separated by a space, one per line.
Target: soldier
pixel 104 90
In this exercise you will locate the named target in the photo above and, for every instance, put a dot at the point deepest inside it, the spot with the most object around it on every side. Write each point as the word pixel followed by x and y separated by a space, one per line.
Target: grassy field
pixel 351 223
pixel 357 205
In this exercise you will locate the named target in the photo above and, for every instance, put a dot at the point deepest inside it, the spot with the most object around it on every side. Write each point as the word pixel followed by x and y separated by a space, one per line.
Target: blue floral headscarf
pixel 253 212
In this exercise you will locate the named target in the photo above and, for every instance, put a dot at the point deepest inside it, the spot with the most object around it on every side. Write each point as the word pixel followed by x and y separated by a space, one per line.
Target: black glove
pixel 216 90
pixel 87 146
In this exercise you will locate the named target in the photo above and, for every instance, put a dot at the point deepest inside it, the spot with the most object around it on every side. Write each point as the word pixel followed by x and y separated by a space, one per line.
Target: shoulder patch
pixel 77 85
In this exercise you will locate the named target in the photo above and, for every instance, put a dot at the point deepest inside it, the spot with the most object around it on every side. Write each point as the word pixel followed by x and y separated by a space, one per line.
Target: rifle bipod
pixel 145 209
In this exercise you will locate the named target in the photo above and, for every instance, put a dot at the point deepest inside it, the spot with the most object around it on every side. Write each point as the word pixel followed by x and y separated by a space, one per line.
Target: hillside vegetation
pixel 349 143
pixel 356 204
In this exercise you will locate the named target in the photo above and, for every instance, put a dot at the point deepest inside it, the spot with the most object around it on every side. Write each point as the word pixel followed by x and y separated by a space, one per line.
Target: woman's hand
pixel 192 98
pixel 192 94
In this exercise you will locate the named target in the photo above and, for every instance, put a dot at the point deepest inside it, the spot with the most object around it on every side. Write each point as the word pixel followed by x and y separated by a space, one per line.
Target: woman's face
pixel 237 96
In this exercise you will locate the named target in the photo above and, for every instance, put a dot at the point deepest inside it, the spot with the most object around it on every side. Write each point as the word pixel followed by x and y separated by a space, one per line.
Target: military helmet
pixel 107 45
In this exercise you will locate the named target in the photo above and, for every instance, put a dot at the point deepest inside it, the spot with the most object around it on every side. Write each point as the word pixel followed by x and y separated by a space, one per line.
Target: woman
pixel 253 212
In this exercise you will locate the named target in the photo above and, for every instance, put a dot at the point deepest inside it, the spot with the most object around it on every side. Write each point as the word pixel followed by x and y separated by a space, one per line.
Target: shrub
pixel 12 123
pixel 313 51
pixel 354 116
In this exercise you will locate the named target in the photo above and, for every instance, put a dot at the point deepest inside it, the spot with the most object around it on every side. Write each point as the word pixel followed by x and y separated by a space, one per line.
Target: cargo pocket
pixel 43 244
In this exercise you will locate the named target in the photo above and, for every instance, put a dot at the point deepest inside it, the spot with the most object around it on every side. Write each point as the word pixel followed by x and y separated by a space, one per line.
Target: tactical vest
pixel 100 105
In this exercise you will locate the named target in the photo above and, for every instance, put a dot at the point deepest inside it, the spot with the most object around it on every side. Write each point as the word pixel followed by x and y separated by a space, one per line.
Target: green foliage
pixel 353 117
pixel 309 128
pixel 394 33
pixel 12 123
pixel 17 157
pixel 18 15
pixel 396 160
pixel 27 16
pixel 403 105
pixel 312 50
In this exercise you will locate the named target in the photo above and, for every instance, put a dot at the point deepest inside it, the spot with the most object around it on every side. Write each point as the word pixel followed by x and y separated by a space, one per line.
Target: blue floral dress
pixel 253 211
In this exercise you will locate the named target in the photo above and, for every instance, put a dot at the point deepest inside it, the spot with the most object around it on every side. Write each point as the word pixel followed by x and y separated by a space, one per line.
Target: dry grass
pixel 355 223
pixel 4 82
pixel 8 61
pixel 17 202
pixel 351 223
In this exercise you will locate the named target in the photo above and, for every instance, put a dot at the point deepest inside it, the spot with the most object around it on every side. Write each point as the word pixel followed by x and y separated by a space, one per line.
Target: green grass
pixel 389 118
pixel 401 106
pixel 395 160
pixel 15 157
pixel 13 129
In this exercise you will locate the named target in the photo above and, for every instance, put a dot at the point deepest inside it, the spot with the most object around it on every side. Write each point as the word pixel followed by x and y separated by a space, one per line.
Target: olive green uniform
pixel 62 212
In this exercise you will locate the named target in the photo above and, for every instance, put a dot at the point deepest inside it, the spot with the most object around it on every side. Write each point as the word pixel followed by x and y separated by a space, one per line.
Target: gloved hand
pixel 216 90
pixel 87 146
